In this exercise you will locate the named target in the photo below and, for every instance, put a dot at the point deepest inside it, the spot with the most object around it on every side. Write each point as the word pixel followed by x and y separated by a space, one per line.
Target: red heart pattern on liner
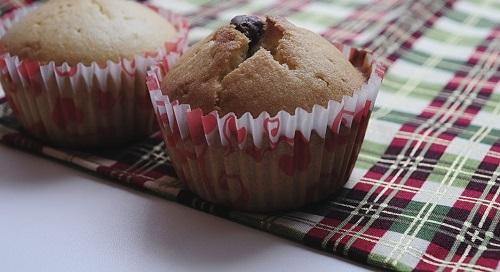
pixel 231 130
pixel 272 126
pixel 128 67
pixel 209 123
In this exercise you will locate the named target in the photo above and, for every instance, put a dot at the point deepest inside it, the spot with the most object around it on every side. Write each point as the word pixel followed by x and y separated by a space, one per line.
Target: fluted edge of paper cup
pixel 267 163
pixel 95 105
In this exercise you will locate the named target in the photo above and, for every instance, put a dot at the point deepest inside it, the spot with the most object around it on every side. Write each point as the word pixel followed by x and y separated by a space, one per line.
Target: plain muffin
pixel 95 94
pixel 254 65
pixel 85 31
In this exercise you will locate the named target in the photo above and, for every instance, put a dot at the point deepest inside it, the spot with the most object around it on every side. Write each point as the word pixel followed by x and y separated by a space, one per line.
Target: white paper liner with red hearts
pixel 86 105
pixel 268 162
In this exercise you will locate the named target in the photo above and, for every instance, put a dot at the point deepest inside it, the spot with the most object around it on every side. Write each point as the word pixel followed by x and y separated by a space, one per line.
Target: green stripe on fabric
pixel 396 116
pixel 469 132
pixel 428 229
pixel 369 150
pixel 459 17
pixel 373 148
pixel 379 260
pixel 492 137
pixel 488 4
pixel 448 167
pixel 444 36
pixel 201 2
pixel 423 90
pixel 489 138
pixel 492 103
pixel 320 19
pixel 419 57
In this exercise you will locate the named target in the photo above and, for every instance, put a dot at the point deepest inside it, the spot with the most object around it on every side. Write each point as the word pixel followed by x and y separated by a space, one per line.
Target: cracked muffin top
pixel 84 31
pixel 256 65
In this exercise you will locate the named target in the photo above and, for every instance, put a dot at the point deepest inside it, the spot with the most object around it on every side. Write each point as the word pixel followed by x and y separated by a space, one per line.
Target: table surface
pixel 55 218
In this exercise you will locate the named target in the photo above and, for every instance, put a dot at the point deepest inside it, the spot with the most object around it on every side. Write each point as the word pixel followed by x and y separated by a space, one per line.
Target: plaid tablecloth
pixel 425 192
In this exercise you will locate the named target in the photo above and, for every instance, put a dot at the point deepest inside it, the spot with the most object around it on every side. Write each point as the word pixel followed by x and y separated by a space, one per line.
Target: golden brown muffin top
pixel 84 31
pixel 284 67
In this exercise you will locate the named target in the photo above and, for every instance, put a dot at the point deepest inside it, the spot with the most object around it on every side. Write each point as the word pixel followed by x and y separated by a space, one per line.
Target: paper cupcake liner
pixel 85 105
pixel 267 163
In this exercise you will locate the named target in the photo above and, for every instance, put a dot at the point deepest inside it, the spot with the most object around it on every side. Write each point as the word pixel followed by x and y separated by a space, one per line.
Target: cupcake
pixel 74 71
pixel 263 115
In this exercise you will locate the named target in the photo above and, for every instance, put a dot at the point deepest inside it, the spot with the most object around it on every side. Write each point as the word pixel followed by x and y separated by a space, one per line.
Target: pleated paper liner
pixel 268 163
pixel 85 105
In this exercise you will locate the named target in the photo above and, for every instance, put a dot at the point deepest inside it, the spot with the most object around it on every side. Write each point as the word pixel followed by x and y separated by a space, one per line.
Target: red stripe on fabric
pixel 365 245
pixel 430 264
pixel 491 160
pixel 447 136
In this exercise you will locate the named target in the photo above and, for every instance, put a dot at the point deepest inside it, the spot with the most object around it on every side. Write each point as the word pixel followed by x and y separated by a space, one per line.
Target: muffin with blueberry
pixel 264 115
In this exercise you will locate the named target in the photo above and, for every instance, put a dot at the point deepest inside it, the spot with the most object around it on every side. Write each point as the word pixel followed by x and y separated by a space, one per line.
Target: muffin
pixel 74 71
pixel 263 115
